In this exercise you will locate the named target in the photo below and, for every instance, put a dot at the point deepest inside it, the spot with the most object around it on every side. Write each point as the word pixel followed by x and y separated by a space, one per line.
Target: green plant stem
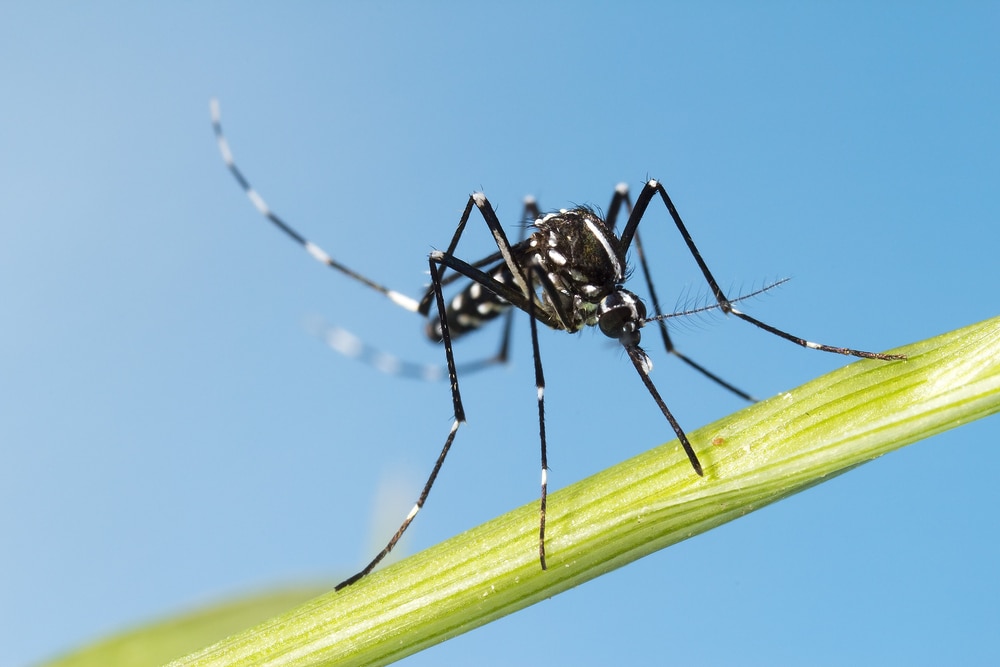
pixel 153 644
pixel 752 458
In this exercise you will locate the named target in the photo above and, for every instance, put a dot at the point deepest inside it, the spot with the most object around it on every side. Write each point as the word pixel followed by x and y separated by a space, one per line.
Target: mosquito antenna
pixel 715 306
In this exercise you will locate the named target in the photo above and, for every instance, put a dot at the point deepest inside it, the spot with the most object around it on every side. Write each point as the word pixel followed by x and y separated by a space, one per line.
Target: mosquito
pixel 569 273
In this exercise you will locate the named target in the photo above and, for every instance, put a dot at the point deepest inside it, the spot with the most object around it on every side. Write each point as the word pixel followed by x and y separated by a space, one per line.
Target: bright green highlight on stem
pixel 764 453
pixel 152 645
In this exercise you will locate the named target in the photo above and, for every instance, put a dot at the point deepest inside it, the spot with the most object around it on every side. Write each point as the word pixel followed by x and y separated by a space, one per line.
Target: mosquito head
pixel 620 314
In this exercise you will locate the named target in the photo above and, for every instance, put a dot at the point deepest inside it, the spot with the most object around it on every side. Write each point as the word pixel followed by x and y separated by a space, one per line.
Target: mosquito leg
pixel 622 199
pixel 667 343
pixel 540 390
pixel 654 187
pixel 459 419
pixel 413 512
pixel 528 217
pixel 314 250
pixel 641 363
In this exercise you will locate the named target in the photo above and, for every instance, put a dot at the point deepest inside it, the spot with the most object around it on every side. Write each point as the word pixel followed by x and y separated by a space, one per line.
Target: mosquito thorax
pixel 579 250
pixel 583 261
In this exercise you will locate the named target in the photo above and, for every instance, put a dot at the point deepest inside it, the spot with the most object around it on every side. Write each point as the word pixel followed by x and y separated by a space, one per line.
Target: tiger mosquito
pixel 568 274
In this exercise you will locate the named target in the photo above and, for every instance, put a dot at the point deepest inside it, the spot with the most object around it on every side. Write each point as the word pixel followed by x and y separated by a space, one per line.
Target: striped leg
pixel 653 188
pixel 459 419
pixel 336 337
pixel 622 198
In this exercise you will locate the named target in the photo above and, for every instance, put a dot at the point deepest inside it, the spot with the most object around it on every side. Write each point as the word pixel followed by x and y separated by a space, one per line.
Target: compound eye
pixel 619 315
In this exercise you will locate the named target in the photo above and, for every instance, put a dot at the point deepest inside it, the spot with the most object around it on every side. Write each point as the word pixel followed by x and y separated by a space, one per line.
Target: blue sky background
pixel 173 434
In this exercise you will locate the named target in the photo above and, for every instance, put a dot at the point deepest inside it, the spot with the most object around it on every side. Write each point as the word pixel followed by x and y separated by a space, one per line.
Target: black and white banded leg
pixel 651 189
pixel 456 396
pixel 342 340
